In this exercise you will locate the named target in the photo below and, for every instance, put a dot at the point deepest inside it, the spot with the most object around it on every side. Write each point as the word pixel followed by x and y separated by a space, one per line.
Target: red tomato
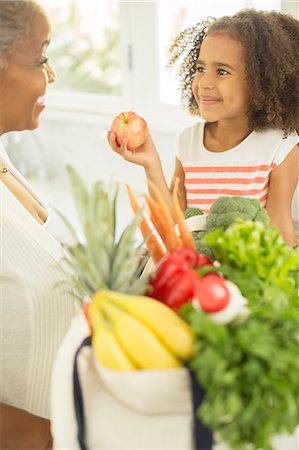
pixel 211 293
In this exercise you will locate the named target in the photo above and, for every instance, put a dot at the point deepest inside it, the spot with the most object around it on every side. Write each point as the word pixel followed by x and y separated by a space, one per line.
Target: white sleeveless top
pixel 241 171
pixel 36 307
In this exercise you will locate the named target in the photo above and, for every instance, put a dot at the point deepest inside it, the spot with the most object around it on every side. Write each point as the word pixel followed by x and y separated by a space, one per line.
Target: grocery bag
pixel 94 407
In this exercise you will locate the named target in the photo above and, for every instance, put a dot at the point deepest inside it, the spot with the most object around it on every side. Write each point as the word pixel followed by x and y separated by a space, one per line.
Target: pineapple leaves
pixel 80 194
pixel 101 262
pixel 68 224
pixel 125 250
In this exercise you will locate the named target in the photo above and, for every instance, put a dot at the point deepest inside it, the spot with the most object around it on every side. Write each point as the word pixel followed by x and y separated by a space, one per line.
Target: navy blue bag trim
pixel 203 437
pixel 78 399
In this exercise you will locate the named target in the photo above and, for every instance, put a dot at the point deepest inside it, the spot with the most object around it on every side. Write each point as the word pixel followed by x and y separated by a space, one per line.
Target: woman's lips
pixel 41 101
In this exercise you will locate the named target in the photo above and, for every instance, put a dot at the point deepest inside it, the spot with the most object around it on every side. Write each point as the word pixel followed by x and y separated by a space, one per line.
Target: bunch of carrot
pixel 164 223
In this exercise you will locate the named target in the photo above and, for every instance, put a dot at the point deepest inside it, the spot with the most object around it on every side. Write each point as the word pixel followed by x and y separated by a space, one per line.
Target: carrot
pixel 174 242
pixel 151 242
pixel 186 236
pixel 156 218
pixel 170 240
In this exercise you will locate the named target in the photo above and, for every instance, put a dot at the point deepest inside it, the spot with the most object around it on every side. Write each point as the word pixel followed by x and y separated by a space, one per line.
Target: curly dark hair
pixel 270 41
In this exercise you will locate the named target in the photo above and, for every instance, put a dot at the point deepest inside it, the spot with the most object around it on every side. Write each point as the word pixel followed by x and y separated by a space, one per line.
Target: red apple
pixel 129 125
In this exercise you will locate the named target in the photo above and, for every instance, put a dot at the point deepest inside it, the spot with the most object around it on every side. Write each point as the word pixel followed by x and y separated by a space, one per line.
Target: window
pixel 86 46
pixel 111 56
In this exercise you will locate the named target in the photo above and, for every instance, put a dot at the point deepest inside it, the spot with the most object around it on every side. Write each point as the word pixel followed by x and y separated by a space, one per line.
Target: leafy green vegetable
pixel 250 370
pixel 225 210
pixel 250 246
pixel 250 374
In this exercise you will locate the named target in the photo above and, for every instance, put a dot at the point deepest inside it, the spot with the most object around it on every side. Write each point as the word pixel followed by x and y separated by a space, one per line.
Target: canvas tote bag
pixel 94 407
pixel 97 408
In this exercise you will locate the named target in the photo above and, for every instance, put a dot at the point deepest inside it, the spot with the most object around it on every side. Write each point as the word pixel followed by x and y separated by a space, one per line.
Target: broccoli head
pixel 197 237
pixel 225 210
pixel 190 212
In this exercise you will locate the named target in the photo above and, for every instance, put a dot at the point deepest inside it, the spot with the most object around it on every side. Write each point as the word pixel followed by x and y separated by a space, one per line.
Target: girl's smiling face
pixel 23 83
pixel 219 86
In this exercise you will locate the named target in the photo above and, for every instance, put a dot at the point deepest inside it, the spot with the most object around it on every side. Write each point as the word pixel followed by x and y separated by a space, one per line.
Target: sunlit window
pixel 118 49
pixel 85 47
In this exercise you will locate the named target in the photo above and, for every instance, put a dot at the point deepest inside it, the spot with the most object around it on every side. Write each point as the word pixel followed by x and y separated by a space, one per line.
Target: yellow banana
pixel 141 344
pixel 105 345
pixel 173 331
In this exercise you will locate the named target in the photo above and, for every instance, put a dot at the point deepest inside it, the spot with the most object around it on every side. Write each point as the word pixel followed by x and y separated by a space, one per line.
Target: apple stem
pixel 126 117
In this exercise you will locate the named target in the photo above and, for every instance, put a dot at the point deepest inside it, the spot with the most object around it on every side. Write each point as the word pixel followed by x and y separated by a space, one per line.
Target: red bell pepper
pixel 179 290
pixel 173 282
pixel 202 260
pixel 176 282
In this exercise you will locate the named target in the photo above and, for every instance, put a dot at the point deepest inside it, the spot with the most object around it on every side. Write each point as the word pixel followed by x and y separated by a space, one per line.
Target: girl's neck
pixel 219 137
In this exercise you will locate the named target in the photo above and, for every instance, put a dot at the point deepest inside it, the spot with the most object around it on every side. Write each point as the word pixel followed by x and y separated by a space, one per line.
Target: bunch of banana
pixel 137 332
pixel 105 344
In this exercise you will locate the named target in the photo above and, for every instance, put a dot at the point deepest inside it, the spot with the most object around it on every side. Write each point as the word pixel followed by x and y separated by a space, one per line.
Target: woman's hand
pixel 146 155
pixel 21 430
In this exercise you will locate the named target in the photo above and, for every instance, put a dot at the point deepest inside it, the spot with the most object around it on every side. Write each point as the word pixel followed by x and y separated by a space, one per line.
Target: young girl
pixel 240 74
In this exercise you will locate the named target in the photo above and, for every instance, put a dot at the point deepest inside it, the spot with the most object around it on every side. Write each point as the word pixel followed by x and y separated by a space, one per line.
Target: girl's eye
pixel 43 60
pixel 200 69
pixel 222 72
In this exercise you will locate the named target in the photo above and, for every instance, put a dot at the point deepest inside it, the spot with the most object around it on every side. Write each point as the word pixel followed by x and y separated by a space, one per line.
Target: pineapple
pixel 101 262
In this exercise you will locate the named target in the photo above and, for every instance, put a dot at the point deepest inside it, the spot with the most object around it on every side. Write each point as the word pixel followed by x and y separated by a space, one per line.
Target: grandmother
pixel 35 313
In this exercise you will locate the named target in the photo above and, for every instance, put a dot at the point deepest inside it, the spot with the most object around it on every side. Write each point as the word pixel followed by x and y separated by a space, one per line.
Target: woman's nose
pixel 51 73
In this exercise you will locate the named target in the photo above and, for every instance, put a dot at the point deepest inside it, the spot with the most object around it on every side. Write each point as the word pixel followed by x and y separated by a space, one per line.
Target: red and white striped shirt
pixel 242 171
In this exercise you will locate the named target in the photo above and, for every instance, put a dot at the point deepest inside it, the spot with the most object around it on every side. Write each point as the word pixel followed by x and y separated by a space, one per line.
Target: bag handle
pixel 203 437
pixel 78 398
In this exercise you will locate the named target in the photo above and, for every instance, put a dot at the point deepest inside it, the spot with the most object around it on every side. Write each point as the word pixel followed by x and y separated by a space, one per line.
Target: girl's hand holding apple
pixel 130 138
pixel 130 126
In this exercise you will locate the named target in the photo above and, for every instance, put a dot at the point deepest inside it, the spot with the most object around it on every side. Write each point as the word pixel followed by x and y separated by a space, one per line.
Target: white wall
pixel 42 156
pixel 44 153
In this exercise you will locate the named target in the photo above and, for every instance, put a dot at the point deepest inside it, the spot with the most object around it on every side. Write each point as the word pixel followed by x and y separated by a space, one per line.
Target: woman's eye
pixel 43 60
pixel 223 72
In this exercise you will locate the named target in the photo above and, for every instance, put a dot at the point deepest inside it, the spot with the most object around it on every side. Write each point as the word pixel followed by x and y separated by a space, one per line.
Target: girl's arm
pixel 180 174
pixel 148 157
pixel 283 181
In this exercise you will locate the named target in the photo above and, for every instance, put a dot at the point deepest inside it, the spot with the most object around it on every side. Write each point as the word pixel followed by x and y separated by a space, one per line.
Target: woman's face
pixel 23 83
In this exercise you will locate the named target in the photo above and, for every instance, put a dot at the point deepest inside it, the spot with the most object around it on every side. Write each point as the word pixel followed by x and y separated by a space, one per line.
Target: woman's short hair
pixel 15 22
